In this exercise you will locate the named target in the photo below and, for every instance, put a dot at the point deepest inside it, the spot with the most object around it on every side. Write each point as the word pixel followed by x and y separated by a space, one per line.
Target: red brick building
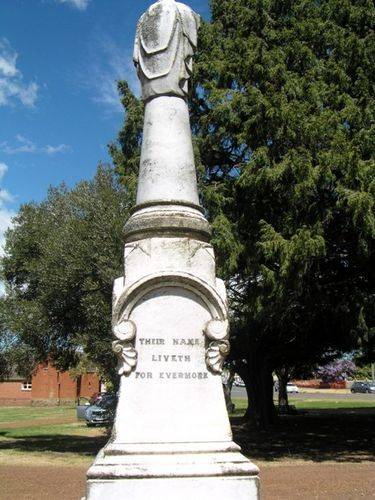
pixel 15 392
pixel 48 386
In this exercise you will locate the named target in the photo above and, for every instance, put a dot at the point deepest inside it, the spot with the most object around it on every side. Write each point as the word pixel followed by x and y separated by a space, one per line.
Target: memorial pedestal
pixel 171 437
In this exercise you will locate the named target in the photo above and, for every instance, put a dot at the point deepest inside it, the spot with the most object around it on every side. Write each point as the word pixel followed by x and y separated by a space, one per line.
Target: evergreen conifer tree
pixel 283 113
pixel 283 117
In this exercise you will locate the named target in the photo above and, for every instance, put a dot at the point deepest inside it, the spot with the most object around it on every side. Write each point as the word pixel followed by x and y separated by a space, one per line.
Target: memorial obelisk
pixel 171 437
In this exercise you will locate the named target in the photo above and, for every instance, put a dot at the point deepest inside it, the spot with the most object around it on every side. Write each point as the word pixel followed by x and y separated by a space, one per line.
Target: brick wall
pixel 90 384
pixel 44 383
pixel 11 394
pixel 51 387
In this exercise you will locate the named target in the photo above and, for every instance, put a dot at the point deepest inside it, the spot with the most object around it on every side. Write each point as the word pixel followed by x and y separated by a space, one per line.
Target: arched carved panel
pixel 216 329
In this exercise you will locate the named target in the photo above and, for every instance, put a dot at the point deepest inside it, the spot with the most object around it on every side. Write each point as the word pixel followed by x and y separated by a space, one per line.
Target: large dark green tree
pixel 282 113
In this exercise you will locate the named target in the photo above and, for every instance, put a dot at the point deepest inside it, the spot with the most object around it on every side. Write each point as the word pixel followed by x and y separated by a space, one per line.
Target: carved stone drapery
pixel 165 43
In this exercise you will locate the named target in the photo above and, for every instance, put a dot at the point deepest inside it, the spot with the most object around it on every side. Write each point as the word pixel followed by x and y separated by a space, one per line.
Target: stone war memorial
pixel 171 437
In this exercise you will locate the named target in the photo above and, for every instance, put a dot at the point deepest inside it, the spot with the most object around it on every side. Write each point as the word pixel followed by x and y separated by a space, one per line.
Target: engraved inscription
pixel 168 359
pixel 143 375
pixel 184 375
pixel 172 357
pixel 152 341
pixel 187 342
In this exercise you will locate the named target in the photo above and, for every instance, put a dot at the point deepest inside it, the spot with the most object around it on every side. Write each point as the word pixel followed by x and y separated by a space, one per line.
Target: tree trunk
pixel 283 377
pixel 227 387
pixel 257 376
pixel 78 390
pixel 230 381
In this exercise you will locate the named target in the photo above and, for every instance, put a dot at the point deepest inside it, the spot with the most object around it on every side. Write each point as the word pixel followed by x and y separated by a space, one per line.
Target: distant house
pixel 15 391
pixel 48 387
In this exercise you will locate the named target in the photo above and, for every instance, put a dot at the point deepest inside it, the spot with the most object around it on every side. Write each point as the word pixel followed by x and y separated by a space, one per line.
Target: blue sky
pixel 59 108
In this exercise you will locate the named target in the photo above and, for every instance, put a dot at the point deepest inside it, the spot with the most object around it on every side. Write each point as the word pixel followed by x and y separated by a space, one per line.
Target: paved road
pixel 240 392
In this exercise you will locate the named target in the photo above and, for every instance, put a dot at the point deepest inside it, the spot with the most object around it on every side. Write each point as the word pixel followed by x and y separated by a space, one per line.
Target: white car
pixel 292 388
pixel 238 381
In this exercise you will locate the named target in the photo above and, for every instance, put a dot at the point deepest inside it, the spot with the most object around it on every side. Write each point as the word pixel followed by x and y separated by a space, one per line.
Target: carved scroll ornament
pixel 124 348
pixel 217 331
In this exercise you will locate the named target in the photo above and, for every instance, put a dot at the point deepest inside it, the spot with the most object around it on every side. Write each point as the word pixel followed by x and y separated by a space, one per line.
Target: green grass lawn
pixel 73 428
pixel 311 404
pixel 29 413
pixel 328 431
pixel 67 442
pixel 26 436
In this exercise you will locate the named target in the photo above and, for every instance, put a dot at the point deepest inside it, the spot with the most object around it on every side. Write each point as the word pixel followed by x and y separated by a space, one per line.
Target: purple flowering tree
pixel 336 371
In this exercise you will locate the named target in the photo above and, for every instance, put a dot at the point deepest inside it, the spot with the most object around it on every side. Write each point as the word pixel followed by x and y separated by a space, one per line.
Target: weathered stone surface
pixel 171 436
pixel 167 170
pixel 164 45
pixel 192 488
pixel 171 221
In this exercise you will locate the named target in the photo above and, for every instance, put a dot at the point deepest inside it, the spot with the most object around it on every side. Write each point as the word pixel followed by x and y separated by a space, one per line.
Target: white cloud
pixel 24 145
pixel 12 86
pixel 52 150
pixel 3 169
pixel 5 196
pixel 6 214
pixel 8 59
pixel 110 63
pixel 79 4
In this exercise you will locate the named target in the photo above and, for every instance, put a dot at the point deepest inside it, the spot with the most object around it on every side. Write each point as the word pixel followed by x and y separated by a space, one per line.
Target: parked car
pixel 292 388
pixel 95 398
pixel 238 381
pixel 99 409
pixel 102 412
pixel 83 404
pixel 363 387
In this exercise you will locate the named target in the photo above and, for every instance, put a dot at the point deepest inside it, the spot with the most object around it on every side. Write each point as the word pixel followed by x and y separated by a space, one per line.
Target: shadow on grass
pixel 344 435
pixel 59 443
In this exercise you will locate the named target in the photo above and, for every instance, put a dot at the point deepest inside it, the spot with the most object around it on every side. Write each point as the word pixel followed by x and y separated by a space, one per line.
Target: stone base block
pixel 209 471
pixel 176 488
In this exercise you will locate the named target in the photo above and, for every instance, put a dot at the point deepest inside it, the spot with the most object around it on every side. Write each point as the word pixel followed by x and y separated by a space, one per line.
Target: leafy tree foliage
pixel 283 115
pixel 126 150
pixel 61 258
pixel 15 356
pixel 364 372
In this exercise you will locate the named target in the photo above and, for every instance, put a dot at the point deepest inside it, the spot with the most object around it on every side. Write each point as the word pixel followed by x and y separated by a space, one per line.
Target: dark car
pixel 83 404
pixel 363 387
pixel 95 398
pixel 102 411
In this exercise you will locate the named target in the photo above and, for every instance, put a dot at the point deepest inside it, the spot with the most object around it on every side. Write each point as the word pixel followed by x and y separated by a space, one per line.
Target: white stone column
pixel 171 437
pixel 167 170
